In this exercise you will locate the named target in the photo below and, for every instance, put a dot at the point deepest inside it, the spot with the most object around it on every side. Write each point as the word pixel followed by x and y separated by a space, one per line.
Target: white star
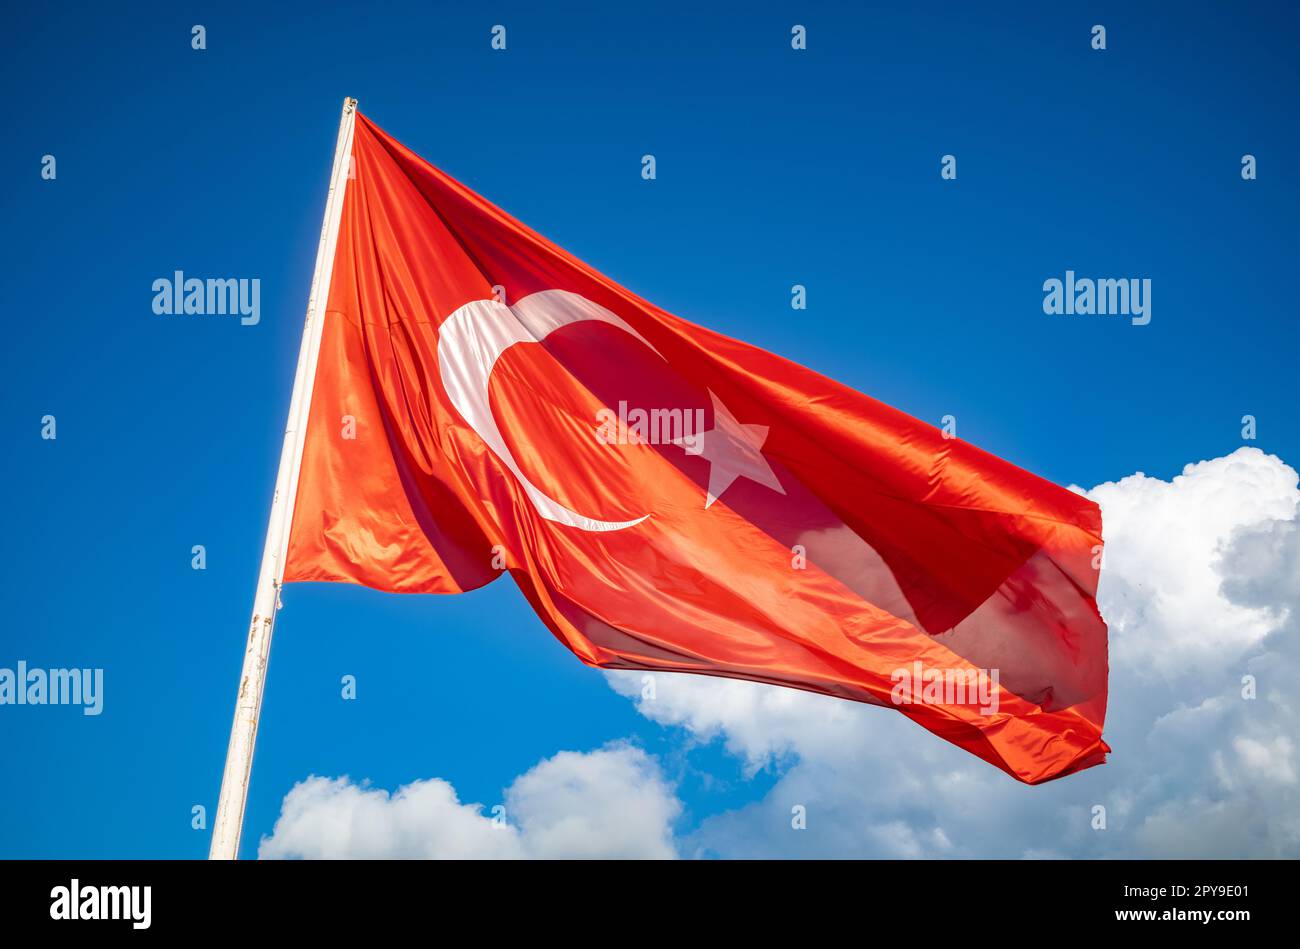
pixel 732 450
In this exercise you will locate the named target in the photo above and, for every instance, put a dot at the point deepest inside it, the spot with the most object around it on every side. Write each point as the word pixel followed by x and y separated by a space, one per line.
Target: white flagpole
pixel 248 704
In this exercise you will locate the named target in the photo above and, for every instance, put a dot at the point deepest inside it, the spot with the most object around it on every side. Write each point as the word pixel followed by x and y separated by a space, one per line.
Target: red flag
pixel 671 499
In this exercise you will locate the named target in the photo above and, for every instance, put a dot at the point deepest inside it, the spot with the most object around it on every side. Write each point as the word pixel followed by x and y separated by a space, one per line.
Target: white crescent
pixel 471 341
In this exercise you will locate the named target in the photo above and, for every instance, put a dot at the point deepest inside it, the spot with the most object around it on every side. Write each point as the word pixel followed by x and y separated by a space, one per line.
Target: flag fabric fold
pixel 671 499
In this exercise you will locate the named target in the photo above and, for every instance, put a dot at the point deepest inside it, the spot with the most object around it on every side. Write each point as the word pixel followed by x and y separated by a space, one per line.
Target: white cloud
pixel 609 803
pixel 612 803
pixel 333 818
pixel 758 723
pixel 1200 584
pixel 1164 540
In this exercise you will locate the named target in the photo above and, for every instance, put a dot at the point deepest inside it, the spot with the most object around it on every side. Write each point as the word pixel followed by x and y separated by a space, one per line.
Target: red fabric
pixel 915 548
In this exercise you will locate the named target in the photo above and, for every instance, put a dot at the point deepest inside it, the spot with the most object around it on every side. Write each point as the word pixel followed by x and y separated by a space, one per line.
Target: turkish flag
pixel 671 499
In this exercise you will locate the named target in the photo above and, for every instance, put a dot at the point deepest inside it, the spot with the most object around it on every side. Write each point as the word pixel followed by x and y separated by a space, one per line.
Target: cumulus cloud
pixel 610 803
pixel 335 818
pixel 1161 579
pixel 1200 584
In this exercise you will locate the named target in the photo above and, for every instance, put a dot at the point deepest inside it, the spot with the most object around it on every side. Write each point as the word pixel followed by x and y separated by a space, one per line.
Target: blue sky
pixel 775 167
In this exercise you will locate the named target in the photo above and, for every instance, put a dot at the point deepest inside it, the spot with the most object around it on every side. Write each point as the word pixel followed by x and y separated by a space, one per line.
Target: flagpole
pixel 229 820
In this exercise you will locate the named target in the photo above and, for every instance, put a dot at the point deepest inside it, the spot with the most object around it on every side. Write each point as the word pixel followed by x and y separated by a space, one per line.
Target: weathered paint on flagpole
pixel 229 820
